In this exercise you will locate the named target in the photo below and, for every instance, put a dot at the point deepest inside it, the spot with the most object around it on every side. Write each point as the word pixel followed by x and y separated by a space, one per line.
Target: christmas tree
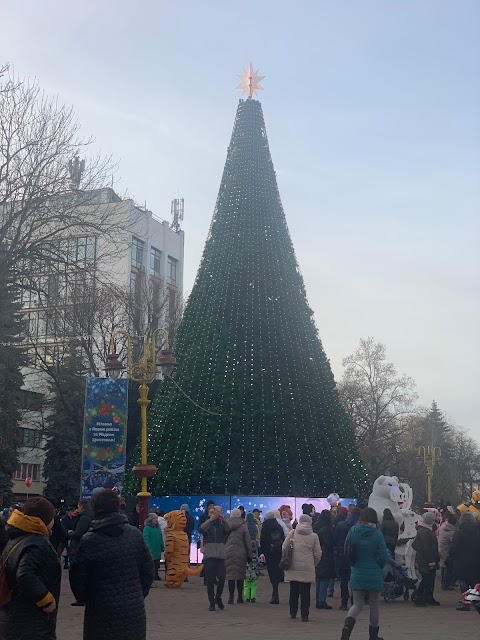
pixel 253 408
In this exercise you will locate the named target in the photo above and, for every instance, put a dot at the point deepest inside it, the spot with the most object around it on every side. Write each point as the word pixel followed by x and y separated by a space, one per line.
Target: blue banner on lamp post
pixel 104 435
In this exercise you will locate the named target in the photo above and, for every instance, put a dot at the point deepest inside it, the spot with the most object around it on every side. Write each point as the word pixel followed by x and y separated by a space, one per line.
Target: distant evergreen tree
pixel 11 380
pixel 437 431
pixel 64 430
pixel 248 351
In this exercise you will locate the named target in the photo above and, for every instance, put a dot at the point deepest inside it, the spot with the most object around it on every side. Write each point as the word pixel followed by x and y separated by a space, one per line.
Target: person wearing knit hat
pixel 426 560
pixel 40 508
pixel 428 518
pixel 33 571
pixel 306 554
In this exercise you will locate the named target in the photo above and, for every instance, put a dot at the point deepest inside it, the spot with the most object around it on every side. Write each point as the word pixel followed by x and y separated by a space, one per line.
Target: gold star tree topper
pixel 250 82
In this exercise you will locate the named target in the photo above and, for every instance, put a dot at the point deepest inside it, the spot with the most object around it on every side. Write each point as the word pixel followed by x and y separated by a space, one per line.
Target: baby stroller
pixel 397 582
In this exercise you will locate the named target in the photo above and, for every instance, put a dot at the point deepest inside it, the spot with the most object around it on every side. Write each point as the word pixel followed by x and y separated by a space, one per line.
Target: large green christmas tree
pixel 248 351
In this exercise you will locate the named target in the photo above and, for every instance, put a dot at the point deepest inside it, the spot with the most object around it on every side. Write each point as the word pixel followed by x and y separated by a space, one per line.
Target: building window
pixel 30 438
pixel 26 470
pixel 31 400
pixel 155 262
pixel 172 271
pixel 137 253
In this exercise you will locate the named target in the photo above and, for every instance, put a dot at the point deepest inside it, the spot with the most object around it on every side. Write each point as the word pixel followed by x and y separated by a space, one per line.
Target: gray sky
pixel 372 116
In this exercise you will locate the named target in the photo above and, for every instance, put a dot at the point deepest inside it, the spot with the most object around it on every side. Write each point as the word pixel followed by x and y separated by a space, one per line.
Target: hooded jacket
pixel 33 572
pixel 445 537
pixel 214 533
pixel 81 527
pixel 464 552
pixel 325 569
pixel 112 576
pixel 238 549
pixel 390 530
pixel 370 557
pixel 152 534
pixel 426 546
pixel 306 553
pixel 271 541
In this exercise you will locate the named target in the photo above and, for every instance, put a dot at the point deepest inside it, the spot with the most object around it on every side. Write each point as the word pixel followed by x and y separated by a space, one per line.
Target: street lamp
pixel 143 371
pixel 430 455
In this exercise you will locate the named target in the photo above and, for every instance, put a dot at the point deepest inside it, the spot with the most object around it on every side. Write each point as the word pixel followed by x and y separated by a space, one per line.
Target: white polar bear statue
pixel 386 494
pixel 389 493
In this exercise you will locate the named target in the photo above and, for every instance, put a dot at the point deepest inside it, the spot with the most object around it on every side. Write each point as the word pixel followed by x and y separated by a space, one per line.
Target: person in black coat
pixel 464 555
pixel 271 541
pixel 342 563
pixel 390 530
pixel 190 526
pixel 68 522
pixel 33 572
pixel 82 524
pixel 325 569
pixel 57 536
pixel 112 574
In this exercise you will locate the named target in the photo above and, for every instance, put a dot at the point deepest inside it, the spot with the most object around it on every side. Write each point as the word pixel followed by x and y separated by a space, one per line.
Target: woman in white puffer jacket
pixel 301 573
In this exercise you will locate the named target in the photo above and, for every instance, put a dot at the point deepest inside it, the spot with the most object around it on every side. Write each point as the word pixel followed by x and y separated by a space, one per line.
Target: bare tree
pixel 379 401
pixel 88 312
pixel 46 191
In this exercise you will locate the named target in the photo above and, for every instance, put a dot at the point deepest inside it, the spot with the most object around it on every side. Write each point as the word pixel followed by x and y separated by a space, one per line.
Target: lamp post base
pixel 144 471
pixel 143 502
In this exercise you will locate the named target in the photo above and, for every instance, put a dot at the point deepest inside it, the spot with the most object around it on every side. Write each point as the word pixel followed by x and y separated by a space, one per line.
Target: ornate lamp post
pixel 430 455
pixel 143 371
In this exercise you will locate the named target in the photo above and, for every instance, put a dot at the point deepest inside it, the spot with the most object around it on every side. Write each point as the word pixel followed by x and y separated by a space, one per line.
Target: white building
pixel 148 257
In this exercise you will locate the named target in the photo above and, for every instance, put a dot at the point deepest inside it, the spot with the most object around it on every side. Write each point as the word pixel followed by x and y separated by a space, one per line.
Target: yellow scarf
pixel 28 524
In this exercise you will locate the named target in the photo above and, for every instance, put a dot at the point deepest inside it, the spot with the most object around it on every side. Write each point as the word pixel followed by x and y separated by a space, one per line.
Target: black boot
pixel 373 631
pixel 275 599
pixel 347 628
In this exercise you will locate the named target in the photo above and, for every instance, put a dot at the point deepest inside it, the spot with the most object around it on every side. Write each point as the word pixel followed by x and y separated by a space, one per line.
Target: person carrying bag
pixel 32 573
pixel 301 550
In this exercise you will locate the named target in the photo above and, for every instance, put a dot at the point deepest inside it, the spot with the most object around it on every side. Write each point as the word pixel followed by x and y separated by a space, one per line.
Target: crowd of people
pixel 113 564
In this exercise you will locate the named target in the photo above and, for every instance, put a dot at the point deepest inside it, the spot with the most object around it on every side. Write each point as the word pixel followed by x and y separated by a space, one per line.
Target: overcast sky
pixel 372 112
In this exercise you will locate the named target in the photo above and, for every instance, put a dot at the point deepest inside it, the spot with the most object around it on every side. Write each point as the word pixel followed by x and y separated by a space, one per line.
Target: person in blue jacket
pixel 367 552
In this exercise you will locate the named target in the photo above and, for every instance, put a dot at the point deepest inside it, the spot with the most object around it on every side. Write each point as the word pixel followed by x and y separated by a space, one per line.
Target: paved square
pixel 183 614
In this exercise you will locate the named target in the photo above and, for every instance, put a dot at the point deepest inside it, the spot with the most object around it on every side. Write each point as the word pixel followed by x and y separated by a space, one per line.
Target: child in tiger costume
pixel 176 551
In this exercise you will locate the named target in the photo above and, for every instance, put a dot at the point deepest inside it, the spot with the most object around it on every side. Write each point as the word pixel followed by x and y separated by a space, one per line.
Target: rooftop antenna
pixel 177 210
pixel 76 167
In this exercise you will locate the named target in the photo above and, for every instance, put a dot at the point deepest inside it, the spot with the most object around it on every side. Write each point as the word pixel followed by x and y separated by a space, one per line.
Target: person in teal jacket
pixel 154 539
pixel 366 549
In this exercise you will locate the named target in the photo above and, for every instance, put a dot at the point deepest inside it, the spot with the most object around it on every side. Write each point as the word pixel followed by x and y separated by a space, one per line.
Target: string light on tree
pixel 248 350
